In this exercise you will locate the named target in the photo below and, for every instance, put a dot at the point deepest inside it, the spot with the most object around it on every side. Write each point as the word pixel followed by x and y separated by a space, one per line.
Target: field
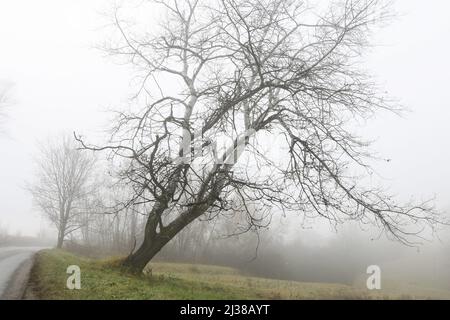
pixel 168 281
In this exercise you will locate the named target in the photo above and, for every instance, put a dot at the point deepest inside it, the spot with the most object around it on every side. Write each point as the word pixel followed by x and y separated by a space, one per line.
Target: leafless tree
pixel 104 231
pixel 4 100
pixel 3 234
pixel 286 71
pixel 63 185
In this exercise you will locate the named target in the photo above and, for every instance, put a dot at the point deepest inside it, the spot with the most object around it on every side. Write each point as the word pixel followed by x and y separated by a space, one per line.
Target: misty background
pixel 61 83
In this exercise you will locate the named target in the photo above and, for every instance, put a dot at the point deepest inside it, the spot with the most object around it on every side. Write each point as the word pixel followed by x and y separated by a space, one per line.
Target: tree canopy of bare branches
pixel 63 185
pixel 287 71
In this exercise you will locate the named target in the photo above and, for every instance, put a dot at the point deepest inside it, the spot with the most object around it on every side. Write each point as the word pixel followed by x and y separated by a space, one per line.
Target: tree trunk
pixel 60 242
pixel 138 260
pixel 154 241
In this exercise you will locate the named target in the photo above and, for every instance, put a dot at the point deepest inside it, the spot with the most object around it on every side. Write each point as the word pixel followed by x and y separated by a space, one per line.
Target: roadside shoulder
pixel 17 288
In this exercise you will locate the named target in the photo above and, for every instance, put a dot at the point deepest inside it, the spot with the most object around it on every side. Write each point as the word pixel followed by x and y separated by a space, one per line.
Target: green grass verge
pixel 102 280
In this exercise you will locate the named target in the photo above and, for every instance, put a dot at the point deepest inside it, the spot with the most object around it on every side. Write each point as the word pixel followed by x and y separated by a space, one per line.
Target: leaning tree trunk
pixel 138 260
pixel 155 238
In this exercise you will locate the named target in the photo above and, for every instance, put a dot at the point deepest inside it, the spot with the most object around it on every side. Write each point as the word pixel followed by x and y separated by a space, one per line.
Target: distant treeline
pixel 21 241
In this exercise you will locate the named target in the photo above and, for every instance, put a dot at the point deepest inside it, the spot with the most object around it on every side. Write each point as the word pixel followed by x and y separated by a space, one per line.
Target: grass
pixel 169 281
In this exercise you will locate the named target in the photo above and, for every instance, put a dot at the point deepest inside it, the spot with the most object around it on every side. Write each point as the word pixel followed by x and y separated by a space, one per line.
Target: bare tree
pixel 63 185
pixel 4 99
pixel 4 234
pixel 282 81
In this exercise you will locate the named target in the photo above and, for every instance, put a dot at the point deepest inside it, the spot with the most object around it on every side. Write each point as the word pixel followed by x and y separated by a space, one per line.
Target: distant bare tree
pixel 4 100
pixel 281 80
pixel 63 185
pixel 4 235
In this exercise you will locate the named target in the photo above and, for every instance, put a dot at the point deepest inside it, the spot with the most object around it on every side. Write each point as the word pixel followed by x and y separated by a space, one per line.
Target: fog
pixel 63 83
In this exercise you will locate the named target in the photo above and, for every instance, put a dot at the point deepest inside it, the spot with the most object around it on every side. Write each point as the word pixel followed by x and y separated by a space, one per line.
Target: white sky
pixel 61 84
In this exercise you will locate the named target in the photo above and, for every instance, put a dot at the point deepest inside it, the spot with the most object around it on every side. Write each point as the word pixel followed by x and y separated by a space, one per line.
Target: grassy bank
pixel 102 280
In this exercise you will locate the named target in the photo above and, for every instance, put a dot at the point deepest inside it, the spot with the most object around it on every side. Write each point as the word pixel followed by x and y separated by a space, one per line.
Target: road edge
pixel 18 286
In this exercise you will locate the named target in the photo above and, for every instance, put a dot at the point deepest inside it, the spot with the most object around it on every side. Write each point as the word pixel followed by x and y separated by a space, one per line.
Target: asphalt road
pixel 15 266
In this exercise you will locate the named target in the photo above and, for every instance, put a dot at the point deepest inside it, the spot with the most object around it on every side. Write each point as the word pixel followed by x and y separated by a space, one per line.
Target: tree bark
pixel 138 260
pixel 61 233
pixel 154 241
pixel 60 242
